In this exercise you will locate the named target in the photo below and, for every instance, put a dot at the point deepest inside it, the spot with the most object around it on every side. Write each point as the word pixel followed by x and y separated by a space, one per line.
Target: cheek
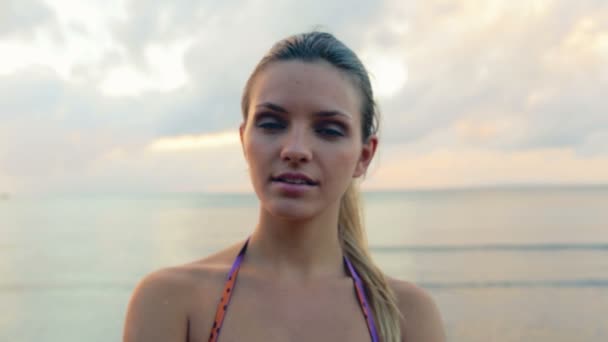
pixel 342 162
pixel 256 151
pixel 254 145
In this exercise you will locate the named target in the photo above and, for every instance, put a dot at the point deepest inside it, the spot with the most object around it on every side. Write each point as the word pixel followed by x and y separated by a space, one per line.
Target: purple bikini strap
pixel 369 317
pixel 239 258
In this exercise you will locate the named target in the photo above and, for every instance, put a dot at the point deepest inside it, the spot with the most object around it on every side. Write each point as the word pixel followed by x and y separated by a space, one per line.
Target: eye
pixel 269 122
pixel 331 130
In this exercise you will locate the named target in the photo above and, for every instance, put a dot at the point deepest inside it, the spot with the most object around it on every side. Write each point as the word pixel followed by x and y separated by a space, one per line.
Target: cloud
pixel 189 142
pixel 223 42
pixel 402 168
pixel 491 83
pixel 51 128
pixel 595 144
pixel 238 24
pixel 541 64
pixel 64 136
pixel 22 17
pixel 221 168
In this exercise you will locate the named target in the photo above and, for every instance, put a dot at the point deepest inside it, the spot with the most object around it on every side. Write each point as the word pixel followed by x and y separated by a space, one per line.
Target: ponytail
pixel 381 298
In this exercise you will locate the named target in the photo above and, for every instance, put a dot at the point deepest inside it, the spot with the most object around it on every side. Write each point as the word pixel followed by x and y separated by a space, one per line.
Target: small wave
pixel 491 247
pixel 36 287
pixel 560 283
pixel 440 285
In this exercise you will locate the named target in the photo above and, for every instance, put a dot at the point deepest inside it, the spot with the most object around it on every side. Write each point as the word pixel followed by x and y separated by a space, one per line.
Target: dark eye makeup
pixel 331 129
pixel 273 123
pixel 268 121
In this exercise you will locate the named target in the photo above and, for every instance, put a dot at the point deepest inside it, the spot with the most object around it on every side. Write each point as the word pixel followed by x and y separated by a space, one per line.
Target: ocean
pixel 503 264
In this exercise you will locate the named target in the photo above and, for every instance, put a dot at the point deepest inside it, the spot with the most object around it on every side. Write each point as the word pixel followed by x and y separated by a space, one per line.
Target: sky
pixel 144 95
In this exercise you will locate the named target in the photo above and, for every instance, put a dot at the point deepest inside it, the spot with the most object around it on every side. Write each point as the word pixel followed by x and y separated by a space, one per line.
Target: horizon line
pixel 7 195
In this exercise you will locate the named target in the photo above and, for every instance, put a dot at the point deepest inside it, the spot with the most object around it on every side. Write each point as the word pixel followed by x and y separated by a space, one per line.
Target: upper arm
pixel 157 311
pixel 421 318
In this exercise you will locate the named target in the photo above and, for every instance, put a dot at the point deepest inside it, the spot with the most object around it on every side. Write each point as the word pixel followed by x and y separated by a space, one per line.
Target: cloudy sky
pixel 143 95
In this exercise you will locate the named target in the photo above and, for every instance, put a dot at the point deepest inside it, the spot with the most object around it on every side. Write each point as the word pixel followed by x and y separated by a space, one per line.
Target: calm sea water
pixel 503 265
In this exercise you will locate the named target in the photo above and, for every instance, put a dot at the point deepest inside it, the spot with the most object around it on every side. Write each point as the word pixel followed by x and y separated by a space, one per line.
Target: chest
pixel 319 314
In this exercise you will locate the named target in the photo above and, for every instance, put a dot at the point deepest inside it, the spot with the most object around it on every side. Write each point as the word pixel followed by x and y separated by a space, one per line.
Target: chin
pixel 291 209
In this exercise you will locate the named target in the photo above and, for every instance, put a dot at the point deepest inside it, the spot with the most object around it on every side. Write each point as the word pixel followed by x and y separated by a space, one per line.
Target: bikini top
pixel 222 307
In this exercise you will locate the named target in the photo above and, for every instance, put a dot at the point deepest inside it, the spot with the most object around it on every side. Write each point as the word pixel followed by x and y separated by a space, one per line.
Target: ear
pixel 368 150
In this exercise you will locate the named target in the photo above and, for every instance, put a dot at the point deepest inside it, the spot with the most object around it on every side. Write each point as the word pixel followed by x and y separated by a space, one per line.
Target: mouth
pixel 294 179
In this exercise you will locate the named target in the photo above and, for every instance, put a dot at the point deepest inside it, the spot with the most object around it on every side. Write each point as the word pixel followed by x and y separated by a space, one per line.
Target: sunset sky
pixel 143 96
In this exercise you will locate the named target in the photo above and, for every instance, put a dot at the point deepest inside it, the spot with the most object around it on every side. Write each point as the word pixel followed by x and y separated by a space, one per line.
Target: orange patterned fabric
pixel 222 307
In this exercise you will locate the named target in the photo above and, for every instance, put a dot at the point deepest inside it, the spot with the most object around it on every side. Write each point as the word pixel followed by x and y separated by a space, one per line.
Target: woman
pixel 305 274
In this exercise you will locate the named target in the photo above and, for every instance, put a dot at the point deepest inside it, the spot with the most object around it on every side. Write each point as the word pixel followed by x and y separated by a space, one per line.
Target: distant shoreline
pixel 503 187
pixel 531 188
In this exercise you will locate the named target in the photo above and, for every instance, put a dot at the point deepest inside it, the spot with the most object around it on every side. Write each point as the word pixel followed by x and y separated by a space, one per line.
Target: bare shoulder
pixel 422 321
pixel 157 309
pixel 162 302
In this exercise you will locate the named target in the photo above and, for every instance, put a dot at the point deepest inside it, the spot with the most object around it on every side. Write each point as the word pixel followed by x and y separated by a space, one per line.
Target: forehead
pixel 309 86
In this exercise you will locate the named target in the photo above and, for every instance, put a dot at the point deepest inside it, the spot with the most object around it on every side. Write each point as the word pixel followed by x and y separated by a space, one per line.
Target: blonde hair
pixel 316 46
pixel 381 298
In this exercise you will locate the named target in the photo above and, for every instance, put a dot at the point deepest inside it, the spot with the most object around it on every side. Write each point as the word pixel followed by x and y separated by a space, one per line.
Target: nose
pixel 296 148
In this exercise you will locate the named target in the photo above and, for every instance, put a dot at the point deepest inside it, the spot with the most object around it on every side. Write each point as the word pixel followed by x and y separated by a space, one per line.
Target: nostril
pixel 293 156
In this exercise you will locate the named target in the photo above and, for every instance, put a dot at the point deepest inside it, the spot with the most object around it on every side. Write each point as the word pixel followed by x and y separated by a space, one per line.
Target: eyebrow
pixel 321 113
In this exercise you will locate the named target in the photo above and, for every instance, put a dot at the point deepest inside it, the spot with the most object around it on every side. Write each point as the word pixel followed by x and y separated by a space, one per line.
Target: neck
pixel 297 250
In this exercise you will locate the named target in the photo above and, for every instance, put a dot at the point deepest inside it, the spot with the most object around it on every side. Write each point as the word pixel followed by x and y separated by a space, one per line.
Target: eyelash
pixel 276 124
pixel 271 126
pixel 330 132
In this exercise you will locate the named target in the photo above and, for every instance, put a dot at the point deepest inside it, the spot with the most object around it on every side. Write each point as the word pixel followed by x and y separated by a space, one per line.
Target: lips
pixel 294 178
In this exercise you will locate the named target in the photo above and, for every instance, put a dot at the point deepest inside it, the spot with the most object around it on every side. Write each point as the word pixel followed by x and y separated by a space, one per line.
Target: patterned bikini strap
pixel 222 306
pixel 369 317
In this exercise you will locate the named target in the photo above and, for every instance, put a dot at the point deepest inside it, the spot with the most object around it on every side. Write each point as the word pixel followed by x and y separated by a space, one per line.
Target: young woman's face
pixel 302 137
